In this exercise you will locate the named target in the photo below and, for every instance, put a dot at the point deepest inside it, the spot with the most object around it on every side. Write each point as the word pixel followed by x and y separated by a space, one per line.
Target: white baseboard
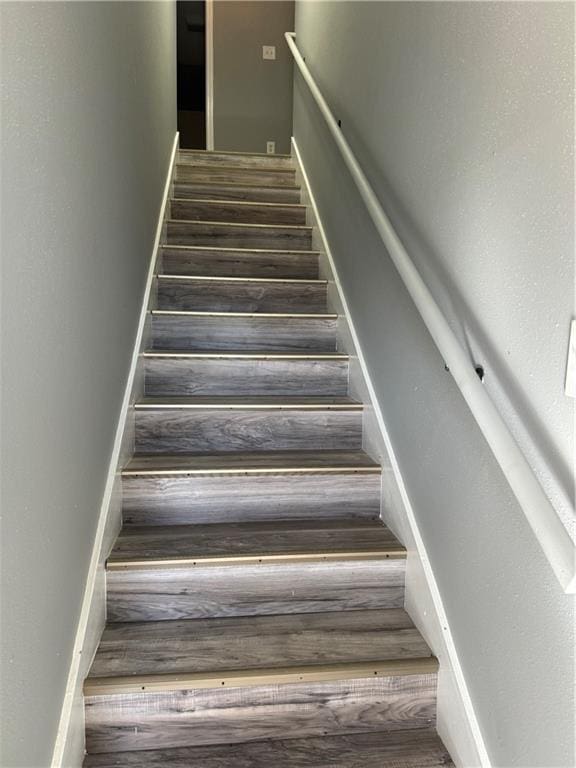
pixel 456 720
pixel 69 745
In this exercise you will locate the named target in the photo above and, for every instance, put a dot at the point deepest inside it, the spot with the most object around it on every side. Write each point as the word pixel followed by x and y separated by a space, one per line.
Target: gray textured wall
pixel 88 121
pixel 252 97
pixel 461 115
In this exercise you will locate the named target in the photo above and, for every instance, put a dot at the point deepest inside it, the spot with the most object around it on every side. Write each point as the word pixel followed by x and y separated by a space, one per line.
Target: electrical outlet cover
pixel 269 52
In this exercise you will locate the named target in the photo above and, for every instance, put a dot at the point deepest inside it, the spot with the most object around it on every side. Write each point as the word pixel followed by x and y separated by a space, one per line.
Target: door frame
pixel 209 61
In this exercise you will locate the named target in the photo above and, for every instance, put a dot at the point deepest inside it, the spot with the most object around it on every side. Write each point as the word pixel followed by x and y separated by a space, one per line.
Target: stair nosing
pixel 103 686
pixel 238 224
pixel 215 201
pixel 320 470
pixel 198 313
pixel 166 405
pixel 236 279
pixel 175 563
pixel 246 355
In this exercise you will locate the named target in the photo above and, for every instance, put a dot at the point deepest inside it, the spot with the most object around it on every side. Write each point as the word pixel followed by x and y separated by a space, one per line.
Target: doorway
pixel 192 26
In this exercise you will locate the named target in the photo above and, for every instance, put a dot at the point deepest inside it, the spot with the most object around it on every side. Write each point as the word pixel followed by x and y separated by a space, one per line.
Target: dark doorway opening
pixel 191 67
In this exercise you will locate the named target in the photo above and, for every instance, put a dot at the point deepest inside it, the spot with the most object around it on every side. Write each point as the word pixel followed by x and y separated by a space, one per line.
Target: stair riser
pixel 195 717
pixel 214 431
pixel 236 236
pixel 215 263
pixel 206 295
pixel 253 590
pixel 256 176
pixel 269 334
pixel 233 212
pixel 237 160
pixel 207 191
pixel 238 378
pixel 181 500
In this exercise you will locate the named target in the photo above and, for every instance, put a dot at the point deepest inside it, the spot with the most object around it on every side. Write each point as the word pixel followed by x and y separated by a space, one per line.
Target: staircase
pixel 254 597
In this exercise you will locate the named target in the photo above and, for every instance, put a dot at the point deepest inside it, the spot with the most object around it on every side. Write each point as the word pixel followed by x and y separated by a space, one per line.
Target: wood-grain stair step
pixel 224 645
pixel 233 543
pixel 250 331
pixel 241 294
pixel 248 211
pixel 273 177
pixel 244 424
pixel 239 262
pixel 418 748
pixel 290 488
pixel 248 569
pixel 290 462
pixel 231 235
pixel 249 403
pixel 248 373
pixel 211 190
pixel 239 159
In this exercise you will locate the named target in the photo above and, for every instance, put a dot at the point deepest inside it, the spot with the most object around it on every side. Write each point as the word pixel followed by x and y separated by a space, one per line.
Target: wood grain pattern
pixel 254 590
pixel 195 717
pixel 230 262
pixel 239 159
pixel 207 190
pixel 250 333
pixel 228 174
pixel 259 542
pixel 246 295
pixel 244 643
pixel 205 430
pixel 254 596
pixel 221 234
pixel 165 376
pixel 237 211
pixel 185 500
pixel 420 748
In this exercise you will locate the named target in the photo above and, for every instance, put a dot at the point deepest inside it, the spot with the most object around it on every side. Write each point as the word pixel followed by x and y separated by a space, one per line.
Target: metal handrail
pixel 547 526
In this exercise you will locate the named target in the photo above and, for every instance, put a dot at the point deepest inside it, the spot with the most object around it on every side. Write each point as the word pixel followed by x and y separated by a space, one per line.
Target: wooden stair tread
pixel 203 645
pixel 255 402
pixel 278 461
pixel 417 748
pixel 253 542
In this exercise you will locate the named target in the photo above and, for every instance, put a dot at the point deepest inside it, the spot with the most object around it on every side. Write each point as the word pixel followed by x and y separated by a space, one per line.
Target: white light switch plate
pixel 269 52
pixel 570 385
